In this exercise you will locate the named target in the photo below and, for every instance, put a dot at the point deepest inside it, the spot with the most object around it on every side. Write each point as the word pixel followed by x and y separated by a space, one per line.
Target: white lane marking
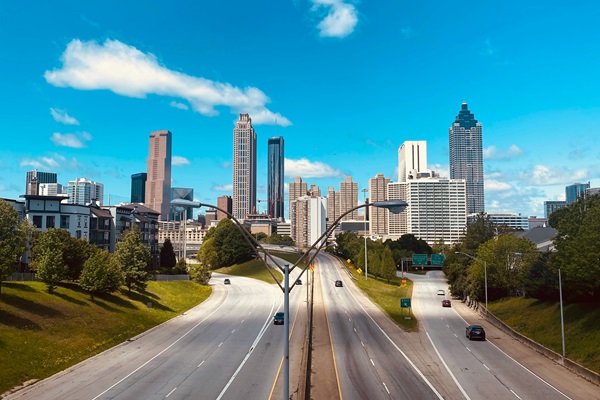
pixel 171 392
pixel 258 337
pixel 157 355
pixel 448 368
pixel 201 363
pixel 468 349
pixel 386 389
pixel 486 367
pixel 362 343
pixel 447 326
pixel 233 331
pixel 220 344
pixel 516 395
pixel 372 361
pixel 518 363
pixel 355 330
pixel 455 335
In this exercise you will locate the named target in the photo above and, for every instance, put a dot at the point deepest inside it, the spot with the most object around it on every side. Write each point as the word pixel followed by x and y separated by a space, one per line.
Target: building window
pixel 50 221
pixel 37 221
pixel 78 234
pixel 64 222
pixel 79 222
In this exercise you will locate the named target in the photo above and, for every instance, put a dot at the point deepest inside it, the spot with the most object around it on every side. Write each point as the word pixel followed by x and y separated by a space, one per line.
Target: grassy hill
pixel 42 333
pixel 540 321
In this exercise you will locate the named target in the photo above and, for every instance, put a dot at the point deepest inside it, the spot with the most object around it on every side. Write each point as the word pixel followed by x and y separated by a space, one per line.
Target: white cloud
pixel 496 186
pixel 75 140
pixel 341 18
pixel 223 188
pixel 181 106
pixel 546 175
pixel 127 71
pixel 54 162
pixel 62 117
pixel 492 153
pixel 178 161
pixel 309 169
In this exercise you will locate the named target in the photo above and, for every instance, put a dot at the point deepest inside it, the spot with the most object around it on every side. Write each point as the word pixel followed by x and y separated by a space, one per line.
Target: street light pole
pixel 562 320
pixel 365 234
pixel 286 326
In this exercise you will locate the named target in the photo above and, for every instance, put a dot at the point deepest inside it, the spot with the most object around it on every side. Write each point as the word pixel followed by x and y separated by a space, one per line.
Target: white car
pixel 441 292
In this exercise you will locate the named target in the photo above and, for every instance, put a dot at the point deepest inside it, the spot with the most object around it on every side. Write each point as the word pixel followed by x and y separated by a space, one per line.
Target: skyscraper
pixel 244 167
pixel 138 187
pixel 412 158
pixel 275 178
pixel 34 178
pixel 348 198
pixel 158 183
pixel 378 217
pixel 575 191
pixel 185 194
pixel 466 157
pixel 224 203
pixel 83 191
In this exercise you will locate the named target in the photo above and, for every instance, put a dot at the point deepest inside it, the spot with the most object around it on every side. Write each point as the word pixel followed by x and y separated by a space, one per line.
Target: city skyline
pixel 86 86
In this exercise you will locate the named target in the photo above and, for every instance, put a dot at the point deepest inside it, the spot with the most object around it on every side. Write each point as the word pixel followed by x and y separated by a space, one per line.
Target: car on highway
pixel 441 292
pixel 226 281
pixel 278 318
pixel 475 332
pixel 299 282
pixel 339 284
pixel 446 303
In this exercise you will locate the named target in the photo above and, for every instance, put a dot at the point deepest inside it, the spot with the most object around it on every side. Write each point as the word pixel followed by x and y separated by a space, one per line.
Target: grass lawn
pixel 42 333
pixel 387 296
pixel 254 269
pixel 540 321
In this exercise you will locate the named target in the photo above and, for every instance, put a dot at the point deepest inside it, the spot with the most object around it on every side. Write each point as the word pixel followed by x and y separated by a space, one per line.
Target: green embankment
pixel 42 333
pixel 540 321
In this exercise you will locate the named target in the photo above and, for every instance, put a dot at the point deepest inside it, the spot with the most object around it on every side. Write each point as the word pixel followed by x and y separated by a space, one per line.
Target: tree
pixel 13 239
pixel 101 273
pixel 261 236
pixel 387 266
pixel 280 240
pixel 134 257
pixel 167 255
pixel 47 258
pixel 228 246
pixel 478 232
pixel 200 273
pixel 75 254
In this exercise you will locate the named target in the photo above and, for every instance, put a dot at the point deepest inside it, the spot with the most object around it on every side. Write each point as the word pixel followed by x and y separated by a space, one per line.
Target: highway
pixel 481 369
pixel 369 364
pixel 225 348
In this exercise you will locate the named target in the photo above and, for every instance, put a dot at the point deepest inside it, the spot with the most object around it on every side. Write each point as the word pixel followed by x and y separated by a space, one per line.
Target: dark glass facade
pixel 138 187
pixel 275 178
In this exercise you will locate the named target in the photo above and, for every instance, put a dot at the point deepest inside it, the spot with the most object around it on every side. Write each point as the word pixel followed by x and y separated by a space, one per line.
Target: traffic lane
pixel 479 367
pixel 365 348
pixel 220 345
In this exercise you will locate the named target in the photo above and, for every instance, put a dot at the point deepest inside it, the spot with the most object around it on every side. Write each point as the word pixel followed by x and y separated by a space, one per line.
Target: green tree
pixel 181 267
pixel 261 236
pixel 387 266
pixel 134 257
pixel 75 254
pixel 47 258
pixel 230 246
pixel 13 239
pixel 200 273
pixel 167 255
pixel 101 273
pixel 350 246
pixel 208 254
pixel 478 232
pixel 280 240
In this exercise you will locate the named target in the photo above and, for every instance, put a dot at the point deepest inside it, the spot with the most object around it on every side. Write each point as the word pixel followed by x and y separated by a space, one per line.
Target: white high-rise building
pixel 348 198
pixel 310 219
pixel 437 209
pixel 244 168
pixel 83 191
pixel 50 189
pixel 412 159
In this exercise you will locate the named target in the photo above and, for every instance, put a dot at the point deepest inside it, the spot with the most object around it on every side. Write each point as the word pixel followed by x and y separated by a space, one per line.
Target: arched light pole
pixel 484 276
pixel 365 235
pixel 395 206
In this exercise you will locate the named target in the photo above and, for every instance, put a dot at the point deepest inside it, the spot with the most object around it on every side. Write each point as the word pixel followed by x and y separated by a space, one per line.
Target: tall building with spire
pixel 275 178
pixel 158 180
pixel 244 168
pixel 466 157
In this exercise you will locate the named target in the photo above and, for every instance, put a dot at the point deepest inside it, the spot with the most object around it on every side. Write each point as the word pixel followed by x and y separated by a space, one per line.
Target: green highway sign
pixel 405 303
pixel 437 259
pixel 419 259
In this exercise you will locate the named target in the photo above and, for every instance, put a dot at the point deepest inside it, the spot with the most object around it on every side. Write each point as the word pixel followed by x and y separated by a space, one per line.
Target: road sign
pixel 419 259
pixel 349 261
pixel 405 303
pixel 437 259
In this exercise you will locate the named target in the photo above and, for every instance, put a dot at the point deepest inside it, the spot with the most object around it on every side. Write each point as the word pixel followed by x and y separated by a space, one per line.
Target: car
pixel 446 303
pixel 441 292
pixel 226 281
pixel 339 284
pixel 475 332
pixel 299 282
pixel 278 318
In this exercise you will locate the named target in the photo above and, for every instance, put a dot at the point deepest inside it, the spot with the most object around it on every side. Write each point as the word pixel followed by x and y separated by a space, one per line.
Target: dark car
pixel 299 282
pixel 278 318
pixel 475 332
pixel 226 281
pixel 446 303
pixel 338 284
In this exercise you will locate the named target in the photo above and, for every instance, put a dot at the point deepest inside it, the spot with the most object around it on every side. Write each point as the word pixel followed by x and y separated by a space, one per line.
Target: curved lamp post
pixel 395 206
pixel 484 275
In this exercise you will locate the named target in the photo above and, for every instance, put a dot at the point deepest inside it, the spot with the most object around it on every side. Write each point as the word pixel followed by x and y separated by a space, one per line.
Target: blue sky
pixel 344 82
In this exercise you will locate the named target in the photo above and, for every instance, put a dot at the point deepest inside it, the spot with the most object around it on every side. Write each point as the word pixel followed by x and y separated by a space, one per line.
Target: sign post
pixel 437 259
pixel 419 259
pixel 405 303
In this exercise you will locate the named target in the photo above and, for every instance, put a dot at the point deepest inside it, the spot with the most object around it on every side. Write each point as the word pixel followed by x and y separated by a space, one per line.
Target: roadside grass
pixel 387 296
pixel 254 269
pixel 42 334
pixel 540 321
